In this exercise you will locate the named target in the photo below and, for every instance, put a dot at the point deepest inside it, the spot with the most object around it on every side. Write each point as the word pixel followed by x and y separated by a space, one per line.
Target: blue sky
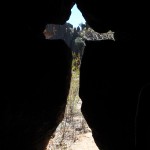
pixel 76 17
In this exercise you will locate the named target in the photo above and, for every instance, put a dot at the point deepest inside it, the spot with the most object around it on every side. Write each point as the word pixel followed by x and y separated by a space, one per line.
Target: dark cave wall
pixel 35 74
pixel 113 74
pixel 34 93
pixel 110 84
pixel 116 15
pixel 142 119
pixel 32 16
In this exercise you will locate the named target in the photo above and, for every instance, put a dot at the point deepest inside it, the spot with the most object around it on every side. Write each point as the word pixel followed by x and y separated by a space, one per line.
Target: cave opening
pixel 73 129
pixel 73 132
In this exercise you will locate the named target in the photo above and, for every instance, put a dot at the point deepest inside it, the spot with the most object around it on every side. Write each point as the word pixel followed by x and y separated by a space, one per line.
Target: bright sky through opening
pixel 76 17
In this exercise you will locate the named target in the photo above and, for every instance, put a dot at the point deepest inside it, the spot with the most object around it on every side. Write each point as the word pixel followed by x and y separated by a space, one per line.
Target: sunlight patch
pixel 73 132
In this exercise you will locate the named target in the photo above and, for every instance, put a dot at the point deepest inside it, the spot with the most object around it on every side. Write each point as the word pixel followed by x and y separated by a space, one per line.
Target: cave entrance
pixel 73 132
